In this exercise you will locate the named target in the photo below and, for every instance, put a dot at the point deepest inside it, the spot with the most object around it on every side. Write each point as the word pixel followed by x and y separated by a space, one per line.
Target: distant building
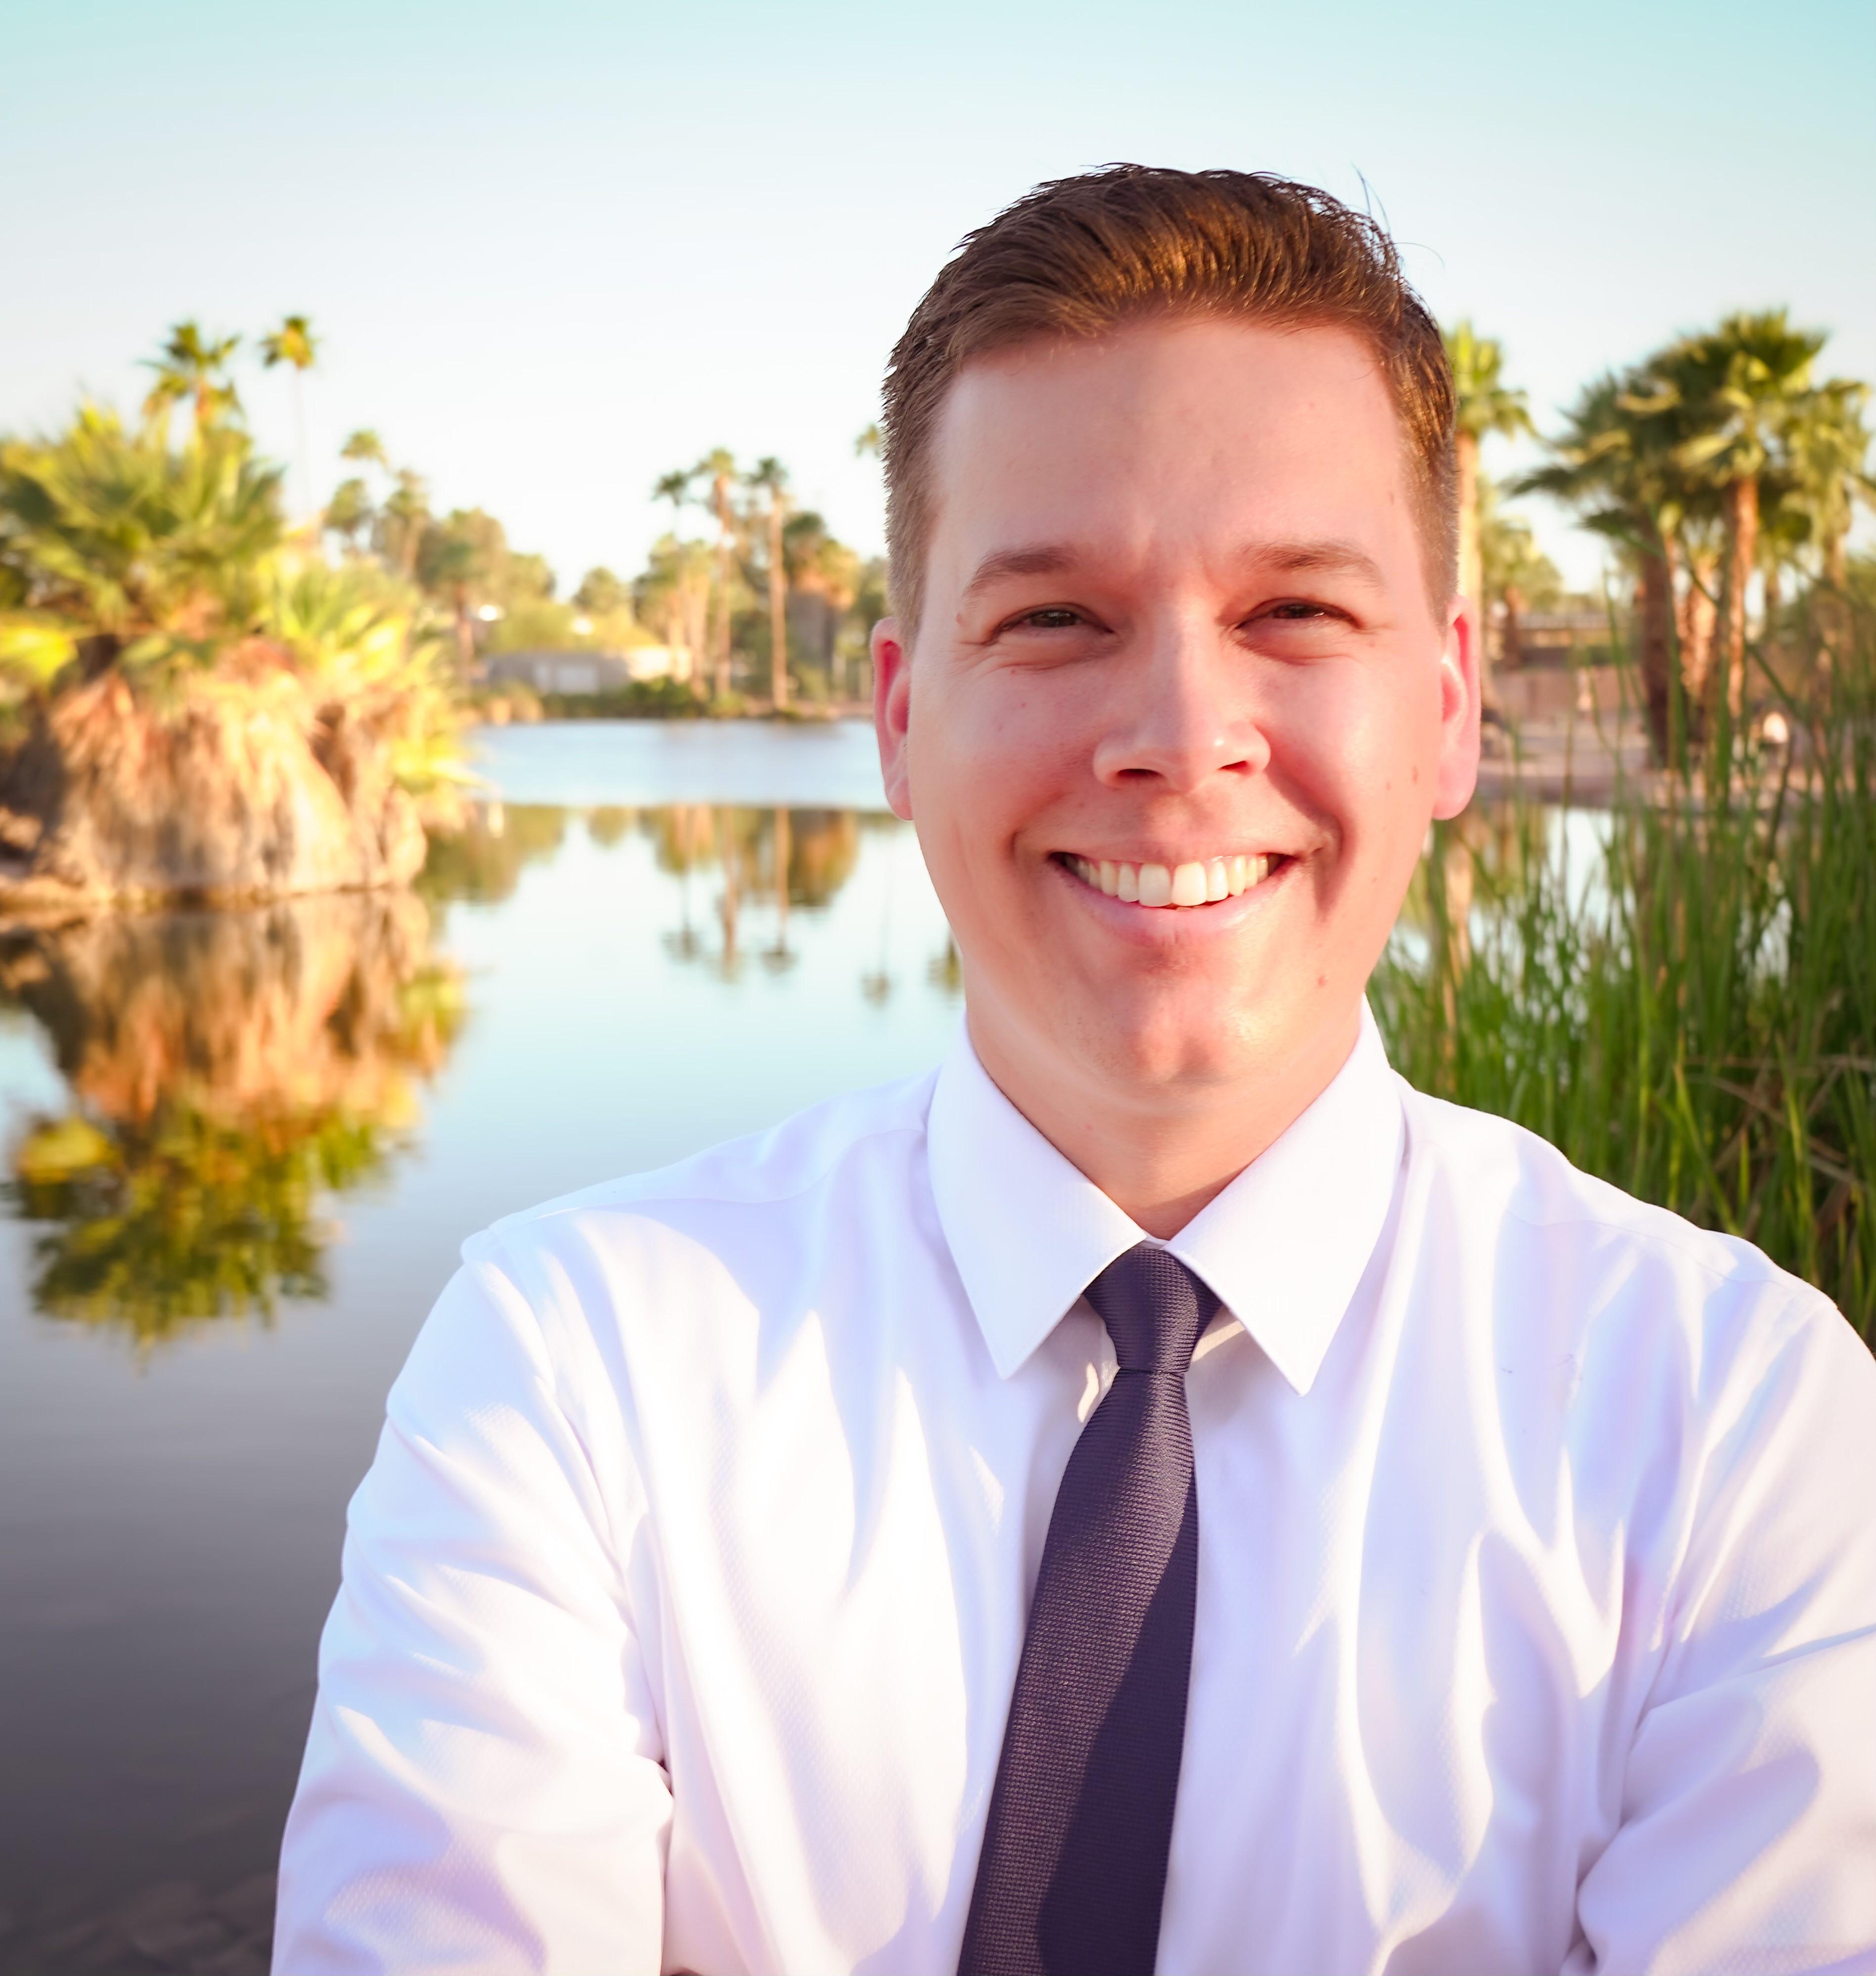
pixel 589 672
pixel 651 662
pixel 1553 637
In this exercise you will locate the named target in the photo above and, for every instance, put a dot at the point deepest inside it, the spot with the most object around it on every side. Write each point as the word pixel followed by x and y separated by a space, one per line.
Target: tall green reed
pixel 1679 993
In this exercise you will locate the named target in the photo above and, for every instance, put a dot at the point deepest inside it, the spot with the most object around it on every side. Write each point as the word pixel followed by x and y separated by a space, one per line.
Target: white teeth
pixel 1188 885
pixel 1201 882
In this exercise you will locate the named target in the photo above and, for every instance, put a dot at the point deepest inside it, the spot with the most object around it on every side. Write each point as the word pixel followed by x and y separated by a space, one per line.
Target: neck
pixel 1159 1151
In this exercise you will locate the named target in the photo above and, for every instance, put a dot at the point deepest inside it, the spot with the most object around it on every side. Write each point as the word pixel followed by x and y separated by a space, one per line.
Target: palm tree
pixel 401 521
pixel 367 449
pixel 1612 462
pixel 1829 447
pixel 675 488
pixel 450 564
pixel 1807 499
pixel 673 594
pixel 1483 404
pixel 193 366
pixel 1513 571
pixel 768 475
pixel 1739 389
pixel 824 582
pixel 294 343
pixel 349 514
pixel 137 554
pixel 717 469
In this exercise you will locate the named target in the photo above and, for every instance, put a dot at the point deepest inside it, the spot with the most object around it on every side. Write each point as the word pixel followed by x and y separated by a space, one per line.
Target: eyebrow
pixel 1034 559
pixel 1314 558
pixel 1300 559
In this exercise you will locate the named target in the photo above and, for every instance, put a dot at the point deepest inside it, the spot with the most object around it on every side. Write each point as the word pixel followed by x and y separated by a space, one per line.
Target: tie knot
pixel 1154 1308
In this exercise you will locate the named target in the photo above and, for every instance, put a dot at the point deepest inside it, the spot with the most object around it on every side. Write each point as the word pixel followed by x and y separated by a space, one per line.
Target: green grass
pixel 1681 995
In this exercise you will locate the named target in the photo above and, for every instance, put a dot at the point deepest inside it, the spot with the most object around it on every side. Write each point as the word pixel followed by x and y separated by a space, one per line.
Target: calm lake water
pixel 242 1149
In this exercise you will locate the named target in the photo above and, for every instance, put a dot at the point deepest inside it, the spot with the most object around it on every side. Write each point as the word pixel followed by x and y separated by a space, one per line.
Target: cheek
pixel 989 755
pixel 1360 742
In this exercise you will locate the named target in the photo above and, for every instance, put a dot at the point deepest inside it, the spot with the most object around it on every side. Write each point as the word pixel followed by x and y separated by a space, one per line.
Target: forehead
pixel 1167 433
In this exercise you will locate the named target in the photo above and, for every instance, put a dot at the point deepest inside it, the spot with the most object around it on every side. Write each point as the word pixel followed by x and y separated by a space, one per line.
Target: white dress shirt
pixel 1536 1622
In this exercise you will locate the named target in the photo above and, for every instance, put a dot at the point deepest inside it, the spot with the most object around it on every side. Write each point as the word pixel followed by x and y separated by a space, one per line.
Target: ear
pixel 1457 773
pixel 892 713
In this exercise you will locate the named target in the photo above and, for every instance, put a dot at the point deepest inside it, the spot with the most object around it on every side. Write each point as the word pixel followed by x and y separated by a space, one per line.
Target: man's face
pixel 1177 638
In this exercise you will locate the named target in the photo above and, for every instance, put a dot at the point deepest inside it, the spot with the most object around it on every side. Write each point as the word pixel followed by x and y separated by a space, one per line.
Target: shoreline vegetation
pixel 1681 996
pixel 204 702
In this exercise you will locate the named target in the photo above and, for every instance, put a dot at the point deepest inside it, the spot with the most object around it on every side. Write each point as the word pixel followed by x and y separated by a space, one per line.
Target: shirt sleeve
pixel 1748 1834
pixel 482 1787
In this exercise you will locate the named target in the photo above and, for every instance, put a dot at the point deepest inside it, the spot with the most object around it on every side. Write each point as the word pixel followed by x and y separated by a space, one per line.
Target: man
pixel 1158 1493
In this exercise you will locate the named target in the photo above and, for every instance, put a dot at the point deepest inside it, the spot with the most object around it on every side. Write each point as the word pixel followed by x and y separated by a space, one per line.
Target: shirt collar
pixel 1283 1246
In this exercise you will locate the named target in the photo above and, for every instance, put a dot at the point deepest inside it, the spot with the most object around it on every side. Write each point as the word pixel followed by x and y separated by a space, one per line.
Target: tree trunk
pixel 697 633
pixel 1696 644
pixel 465 630
pixel 1771 643
pixel 1742 552
pixel 720 630
pixel 1827 608
pixel 1471 576
pixel 1657 642
pixel 778 610
pixel 721 500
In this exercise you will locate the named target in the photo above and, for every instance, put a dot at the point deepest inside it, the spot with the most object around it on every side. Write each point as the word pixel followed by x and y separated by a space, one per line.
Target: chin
pixel 1174 1047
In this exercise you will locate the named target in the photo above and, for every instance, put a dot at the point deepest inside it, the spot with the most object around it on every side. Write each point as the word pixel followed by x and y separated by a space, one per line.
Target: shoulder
pixel 789 1159
pixel 1516 1180
pixel 1567 1263
pixel 1641 1381
pixel 725 1207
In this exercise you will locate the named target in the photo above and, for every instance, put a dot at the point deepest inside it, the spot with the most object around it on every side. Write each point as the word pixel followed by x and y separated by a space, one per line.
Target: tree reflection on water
pixel 780 856
pixel 482 861
pixel 229 1071
pixel 226 1070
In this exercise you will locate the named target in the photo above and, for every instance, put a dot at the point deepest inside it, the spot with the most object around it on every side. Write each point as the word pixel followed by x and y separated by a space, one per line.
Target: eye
pixel 1051 617
pixel 1285 620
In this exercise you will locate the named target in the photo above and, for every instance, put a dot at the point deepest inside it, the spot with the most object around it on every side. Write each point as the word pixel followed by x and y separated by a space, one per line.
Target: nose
pixel 1179 714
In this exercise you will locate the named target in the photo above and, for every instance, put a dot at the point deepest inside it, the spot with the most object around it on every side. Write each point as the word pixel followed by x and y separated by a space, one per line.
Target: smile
pixel 1201 882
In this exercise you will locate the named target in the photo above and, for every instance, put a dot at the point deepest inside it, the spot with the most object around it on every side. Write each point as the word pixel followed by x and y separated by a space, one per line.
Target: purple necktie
pixel 1073 1869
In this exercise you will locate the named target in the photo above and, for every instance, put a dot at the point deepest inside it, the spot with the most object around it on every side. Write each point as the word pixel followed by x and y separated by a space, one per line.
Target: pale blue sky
pixel 554 250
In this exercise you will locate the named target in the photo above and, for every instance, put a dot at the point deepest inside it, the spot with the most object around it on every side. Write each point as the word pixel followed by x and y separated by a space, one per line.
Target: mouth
pixel 1204 881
